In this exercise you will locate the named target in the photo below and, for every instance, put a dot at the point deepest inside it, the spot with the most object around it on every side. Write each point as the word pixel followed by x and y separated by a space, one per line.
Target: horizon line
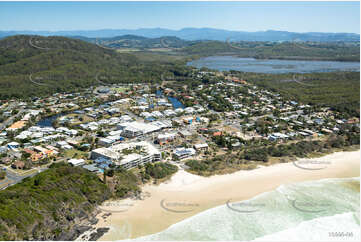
pixel 54 31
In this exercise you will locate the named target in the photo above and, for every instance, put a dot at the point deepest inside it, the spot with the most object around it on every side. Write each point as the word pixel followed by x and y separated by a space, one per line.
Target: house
pixel 201 147
pixel 13 145
pixel 157 114
pixel 185 133
pixel 76 162
pixel 182 153
pixel 189 110
pixel 105 142
pixel 18 165
pixel 327 131
pixel 169 113
pixel 164 138
pixel 218 133
pixel 277 136
pixel 61 144
pixel 353 121
pixel 33 155
pixel 162 102
pixel 5 160
pixel 91 168
pixel 178 110
pixel 3 149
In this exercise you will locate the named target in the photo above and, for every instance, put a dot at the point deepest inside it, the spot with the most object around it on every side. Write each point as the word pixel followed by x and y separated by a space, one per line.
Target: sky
pixel 240 16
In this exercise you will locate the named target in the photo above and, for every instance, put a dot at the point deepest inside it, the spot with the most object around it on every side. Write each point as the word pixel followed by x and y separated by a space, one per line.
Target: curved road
pixel 35 46
pixel 97 79
pixel 37 83
pixel 101 46
pixel 299 82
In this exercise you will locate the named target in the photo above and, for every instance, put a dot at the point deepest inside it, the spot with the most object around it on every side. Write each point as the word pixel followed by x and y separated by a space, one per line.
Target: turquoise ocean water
pixel 327 209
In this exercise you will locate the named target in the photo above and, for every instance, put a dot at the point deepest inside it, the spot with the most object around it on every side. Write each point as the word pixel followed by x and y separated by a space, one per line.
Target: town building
pixel 128 155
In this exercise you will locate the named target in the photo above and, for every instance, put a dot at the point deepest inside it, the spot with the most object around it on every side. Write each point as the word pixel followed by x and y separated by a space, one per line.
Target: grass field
pixel 120 89
pixel 77 154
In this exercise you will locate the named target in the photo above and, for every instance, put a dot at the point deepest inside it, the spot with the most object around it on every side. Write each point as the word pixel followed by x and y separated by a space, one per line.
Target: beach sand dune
pixel 185 194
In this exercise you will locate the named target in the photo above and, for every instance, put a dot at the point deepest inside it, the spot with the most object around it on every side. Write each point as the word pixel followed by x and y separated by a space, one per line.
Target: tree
pixel 2 175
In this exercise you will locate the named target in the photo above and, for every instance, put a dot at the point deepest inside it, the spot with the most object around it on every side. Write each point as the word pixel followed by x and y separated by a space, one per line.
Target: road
pixel 13 177
pixel 37 47
pixel 37 83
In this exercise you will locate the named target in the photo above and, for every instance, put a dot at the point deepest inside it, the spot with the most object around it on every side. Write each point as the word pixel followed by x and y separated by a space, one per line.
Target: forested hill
pixel 331 51
pixel 53 205
pixel 32 66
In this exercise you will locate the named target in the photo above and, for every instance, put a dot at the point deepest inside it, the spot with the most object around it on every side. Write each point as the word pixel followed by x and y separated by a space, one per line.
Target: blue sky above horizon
pixel 239 16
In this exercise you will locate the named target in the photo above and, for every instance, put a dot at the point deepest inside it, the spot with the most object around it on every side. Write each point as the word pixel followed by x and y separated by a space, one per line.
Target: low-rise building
pixel 134 129
pixel 128 155
pixel 200 147
pixel 76 162
pixel 182 153
pixel 164 138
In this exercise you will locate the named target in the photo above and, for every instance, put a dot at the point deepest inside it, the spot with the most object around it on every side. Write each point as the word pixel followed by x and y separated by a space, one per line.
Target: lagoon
pixel 272 66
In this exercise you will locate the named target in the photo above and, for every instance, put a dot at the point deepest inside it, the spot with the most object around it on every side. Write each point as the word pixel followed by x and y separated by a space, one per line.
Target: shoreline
pixel 186 194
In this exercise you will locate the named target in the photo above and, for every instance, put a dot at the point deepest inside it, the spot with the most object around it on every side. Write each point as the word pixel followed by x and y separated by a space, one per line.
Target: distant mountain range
pixel 199 34
pixel 139 42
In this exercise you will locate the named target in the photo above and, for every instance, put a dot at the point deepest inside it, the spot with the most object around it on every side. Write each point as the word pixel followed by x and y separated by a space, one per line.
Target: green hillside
pixel 33 66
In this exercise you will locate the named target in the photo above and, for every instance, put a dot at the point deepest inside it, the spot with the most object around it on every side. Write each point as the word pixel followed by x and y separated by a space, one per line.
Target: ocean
pixel 327 209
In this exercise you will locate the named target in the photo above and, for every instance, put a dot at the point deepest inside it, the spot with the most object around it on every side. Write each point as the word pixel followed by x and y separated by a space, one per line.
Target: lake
pixel 48 121
pixel 226 63
pixel 175 102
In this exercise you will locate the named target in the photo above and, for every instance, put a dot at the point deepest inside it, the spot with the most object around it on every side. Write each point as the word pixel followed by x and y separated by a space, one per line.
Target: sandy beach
pixel 185 194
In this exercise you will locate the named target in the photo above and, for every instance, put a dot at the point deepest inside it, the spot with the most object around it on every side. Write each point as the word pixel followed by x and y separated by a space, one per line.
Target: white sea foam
pixel 340 227
pixel 301 211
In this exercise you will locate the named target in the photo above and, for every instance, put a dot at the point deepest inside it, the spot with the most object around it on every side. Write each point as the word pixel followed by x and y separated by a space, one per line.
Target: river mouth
pixel 272 66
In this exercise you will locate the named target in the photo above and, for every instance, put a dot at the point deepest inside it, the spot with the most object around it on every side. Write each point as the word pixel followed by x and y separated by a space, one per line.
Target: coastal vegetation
pixel 338 90
pixel 26 212
pixel 263 152
pixel 74 192
pixel 126 183
pixel 160 170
